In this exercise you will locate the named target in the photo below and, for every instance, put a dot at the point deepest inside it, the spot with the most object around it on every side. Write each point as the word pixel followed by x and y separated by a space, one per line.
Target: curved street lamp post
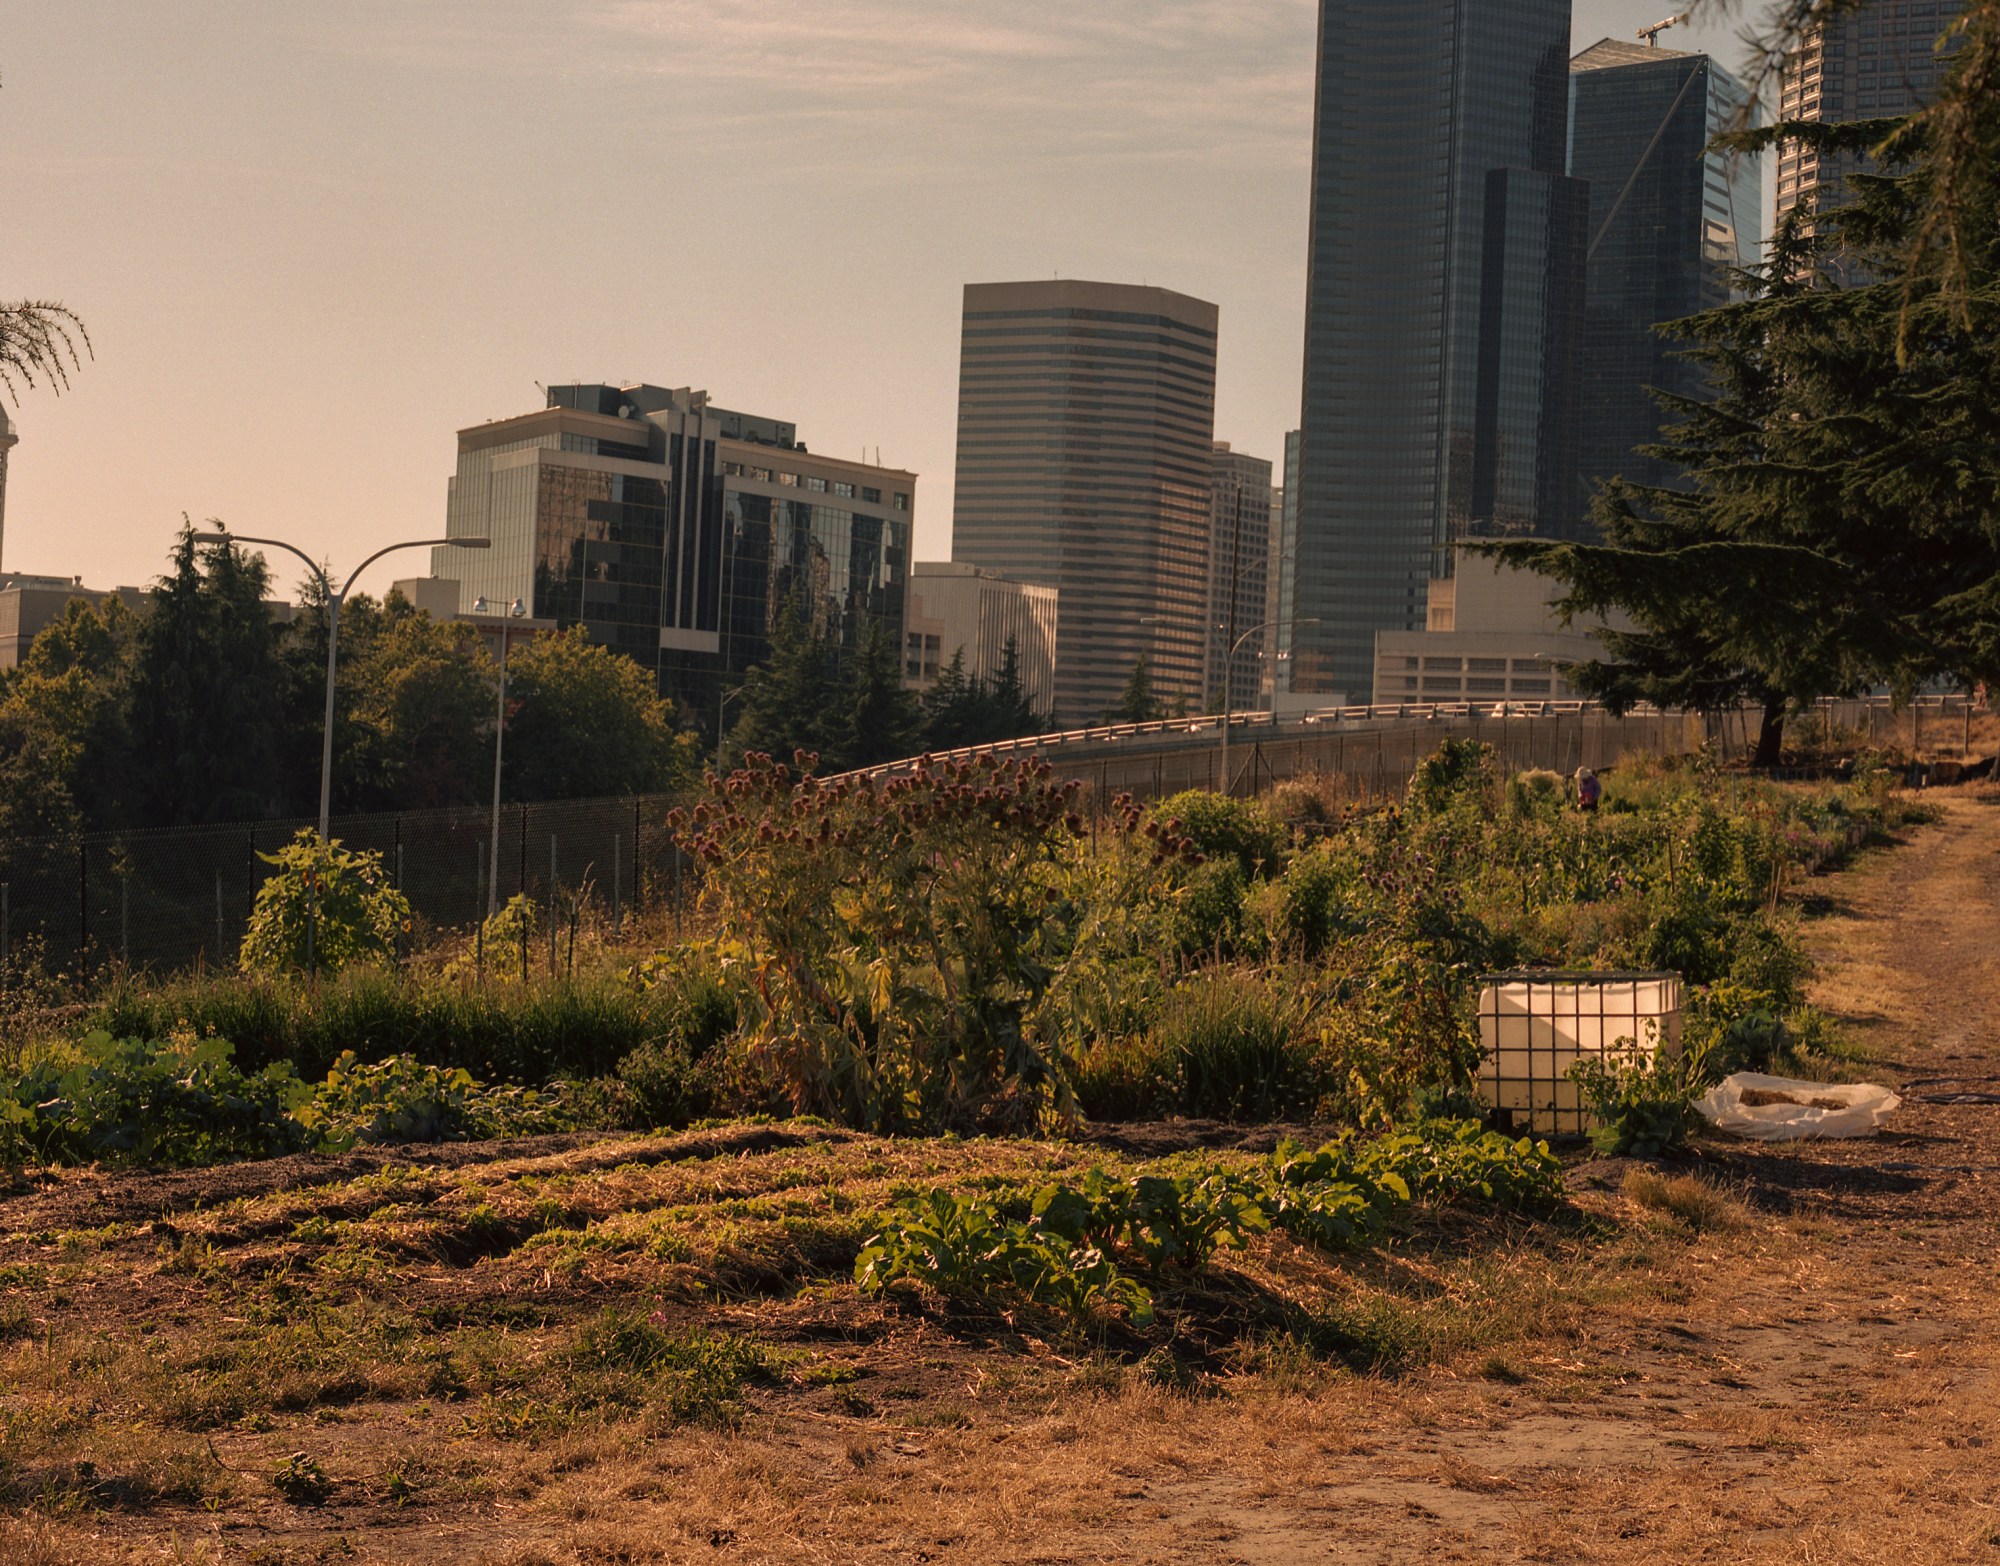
pixel 334 600
pixel 515 611
pixel 1229 683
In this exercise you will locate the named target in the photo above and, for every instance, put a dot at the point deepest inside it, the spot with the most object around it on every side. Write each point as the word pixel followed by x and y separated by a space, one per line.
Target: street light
pixel 333 603
pixel 515 611
pixel 1228 683
pixel 722 701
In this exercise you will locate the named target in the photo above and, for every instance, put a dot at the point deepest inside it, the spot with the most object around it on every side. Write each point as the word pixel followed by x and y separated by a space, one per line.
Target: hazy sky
pixel 312 240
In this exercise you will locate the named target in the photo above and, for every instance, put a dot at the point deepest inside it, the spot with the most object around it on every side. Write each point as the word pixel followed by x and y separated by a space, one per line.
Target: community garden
pixel 960 1098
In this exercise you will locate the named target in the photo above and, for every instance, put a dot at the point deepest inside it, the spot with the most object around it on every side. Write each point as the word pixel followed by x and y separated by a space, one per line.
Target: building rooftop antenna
pixel 1652 34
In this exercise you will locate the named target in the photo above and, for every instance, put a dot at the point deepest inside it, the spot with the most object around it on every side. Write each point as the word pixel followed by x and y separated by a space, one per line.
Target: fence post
pixel 82 906
pixel 617 908
pixel 220 962
pixel 125 919
pixel 552 905
pixel 6 923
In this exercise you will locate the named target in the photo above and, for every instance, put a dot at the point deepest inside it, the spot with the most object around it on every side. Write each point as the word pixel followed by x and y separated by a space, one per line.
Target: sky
pixel 312 239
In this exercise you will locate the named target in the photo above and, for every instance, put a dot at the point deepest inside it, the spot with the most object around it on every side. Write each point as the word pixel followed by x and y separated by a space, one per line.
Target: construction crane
pixel 1652 34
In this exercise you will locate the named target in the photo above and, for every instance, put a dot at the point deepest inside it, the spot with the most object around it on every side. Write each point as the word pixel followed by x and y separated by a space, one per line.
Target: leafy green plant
pixel 1063 1255
pixel 1642 1104
pixel 403 1100
pixel 962 1248
pixel 177 1101
pixel 301 1480
pixel 323 908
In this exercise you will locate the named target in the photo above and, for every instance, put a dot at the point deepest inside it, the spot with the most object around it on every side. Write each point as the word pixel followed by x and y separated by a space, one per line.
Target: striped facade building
pixel 1086 416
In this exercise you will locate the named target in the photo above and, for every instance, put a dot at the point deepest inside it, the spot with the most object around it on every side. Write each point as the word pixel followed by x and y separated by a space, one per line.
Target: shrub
pixel 1537 792
pixel 890 941
pixel 689 997
pixel 402 1100
pixel 180 1101
pixel 1458 769
pixel 1316 901
pixel 1309 800
pixel 1208 913
pixel 1227 1044
pixel 1224 828
pixel 323 908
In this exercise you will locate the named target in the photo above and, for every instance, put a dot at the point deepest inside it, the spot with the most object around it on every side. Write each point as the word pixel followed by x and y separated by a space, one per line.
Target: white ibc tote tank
pixel 1535 1024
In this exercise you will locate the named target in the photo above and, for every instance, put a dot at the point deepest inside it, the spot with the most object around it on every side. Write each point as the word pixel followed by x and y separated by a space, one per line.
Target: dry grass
pixel 1692 1201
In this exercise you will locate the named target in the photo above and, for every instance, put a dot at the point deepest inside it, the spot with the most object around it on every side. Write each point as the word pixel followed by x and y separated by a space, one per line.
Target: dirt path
pixel 1814 1377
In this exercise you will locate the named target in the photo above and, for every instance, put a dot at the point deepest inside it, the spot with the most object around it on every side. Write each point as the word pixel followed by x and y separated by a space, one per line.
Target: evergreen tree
pixel 1014 714
pixel 1137 704
pixel 952 707
pixel 792 700
pixel 1839 526
pixel 883 721
pixel 203 700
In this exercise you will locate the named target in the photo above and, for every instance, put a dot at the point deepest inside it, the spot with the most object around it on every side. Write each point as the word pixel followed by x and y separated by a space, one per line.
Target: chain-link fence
pixel 182 897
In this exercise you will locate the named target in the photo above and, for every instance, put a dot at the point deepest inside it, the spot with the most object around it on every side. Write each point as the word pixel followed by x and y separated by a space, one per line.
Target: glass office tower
pixel 1241 550
pixel 676 532
pixel 1671 223
pixel 1880 59
pixel 1443 284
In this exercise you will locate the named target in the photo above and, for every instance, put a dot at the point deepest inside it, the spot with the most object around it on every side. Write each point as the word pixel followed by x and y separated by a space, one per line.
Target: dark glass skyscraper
pixel 1669 224
pixel 1443 290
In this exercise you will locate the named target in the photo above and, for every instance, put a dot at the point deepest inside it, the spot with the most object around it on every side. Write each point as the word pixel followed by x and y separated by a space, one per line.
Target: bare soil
pixel 1795 1359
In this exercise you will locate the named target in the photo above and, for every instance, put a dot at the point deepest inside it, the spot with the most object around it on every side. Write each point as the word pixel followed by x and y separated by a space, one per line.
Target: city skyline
pixel 269 276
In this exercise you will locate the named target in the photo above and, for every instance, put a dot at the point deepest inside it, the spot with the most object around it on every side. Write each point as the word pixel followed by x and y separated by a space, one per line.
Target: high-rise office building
pixel 677 531
pixel 1239 574
pixel 1878 60
pixel 1284 570
pixel 1086 413
pixel 1670 225
pixel 1442 310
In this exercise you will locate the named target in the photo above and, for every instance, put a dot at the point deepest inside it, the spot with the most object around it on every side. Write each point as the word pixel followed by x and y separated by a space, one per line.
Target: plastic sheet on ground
pixel 1783 1109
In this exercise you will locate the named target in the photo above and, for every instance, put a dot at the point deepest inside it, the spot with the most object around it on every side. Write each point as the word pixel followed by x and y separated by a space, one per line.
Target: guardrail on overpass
pixel 1374 750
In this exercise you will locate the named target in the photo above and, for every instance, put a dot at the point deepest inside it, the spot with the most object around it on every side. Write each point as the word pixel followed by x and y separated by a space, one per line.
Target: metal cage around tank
pixel 1536 1024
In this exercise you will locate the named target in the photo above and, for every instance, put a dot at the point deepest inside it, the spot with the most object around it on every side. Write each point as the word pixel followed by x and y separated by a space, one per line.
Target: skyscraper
pixel 1442 309
pixel 1670 222
pixel 1239 573
pixel 1878 60
pixel 1086 413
